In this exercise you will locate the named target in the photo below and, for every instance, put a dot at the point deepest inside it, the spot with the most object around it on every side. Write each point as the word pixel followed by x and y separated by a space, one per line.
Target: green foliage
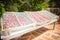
pixel 41 6
pixel 22 5
pixel 2 9
pixel 12 8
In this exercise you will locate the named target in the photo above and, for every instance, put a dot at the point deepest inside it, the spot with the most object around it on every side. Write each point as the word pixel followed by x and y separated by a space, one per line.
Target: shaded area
pixel 54 3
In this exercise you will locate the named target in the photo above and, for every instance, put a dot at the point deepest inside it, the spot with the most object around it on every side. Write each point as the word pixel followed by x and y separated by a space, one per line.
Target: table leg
pixel 54 25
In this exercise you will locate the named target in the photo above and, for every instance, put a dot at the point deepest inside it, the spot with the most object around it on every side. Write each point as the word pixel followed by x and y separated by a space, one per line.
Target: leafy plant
pixel 2 9
pixel 22 5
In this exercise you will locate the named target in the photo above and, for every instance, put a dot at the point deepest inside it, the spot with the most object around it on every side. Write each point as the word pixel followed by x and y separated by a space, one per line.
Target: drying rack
pixel 31 27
